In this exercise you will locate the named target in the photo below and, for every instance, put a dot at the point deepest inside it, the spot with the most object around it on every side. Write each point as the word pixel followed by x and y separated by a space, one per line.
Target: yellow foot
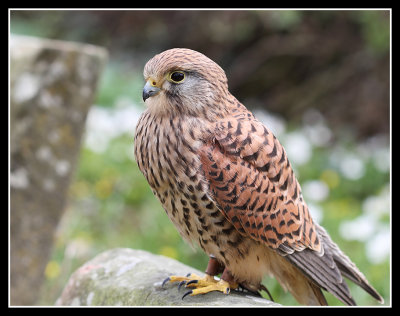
pixel 191 280
pixel 201 285
pixel 221 286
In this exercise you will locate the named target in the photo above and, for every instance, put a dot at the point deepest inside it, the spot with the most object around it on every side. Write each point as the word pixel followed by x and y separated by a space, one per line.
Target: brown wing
pixel 253 183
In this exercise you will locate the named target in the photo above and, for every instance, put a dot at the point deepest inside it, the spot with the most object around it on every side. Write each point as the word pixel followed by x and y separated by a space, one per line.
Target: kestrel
pixel 226 183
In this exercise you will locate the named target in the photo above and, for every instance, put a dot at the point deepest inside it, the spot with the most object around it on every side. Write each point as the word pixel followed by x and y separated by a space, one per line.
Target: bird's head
pixel 183 81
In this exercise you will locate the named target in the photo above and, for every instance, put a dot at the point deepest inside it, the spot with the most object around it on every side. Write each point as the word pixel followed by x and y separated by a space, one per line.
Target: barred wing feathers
pixel 253 184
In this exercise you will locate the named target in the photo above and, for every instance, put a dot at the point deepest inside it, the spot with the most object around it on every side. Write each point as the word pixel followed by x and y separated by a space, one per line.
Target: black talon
pixel 191 282
pixel 188 275
pixel 180 284
pixel 266 290
pixel 165 281
pixel 186 294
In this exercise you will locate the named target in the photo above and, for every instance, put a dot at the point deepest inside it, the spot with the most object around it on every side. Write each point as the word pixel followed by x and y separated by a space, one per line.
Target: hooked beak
pixel 149 90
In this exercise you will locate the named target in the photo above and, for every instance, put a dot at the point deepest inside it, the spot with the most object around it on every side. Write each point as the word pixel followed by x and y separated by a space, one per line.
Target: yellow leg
pixel 221 286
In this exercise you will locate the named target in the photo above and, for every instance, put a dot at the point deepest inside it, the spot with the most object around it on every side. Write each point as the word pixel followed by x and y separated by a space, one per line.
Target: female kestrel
pixel 226 183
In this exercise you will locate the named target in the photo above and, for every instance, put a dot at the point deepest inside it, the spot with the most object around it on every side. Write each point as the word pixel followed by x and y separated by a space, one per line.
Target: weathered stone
pixel 127 277
pixel 52 87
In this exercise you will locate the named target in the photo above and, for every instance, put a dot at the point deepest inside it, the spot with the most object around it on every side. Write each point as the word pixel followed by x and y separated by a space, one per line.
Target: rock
pixel 127 277
pixel 52 86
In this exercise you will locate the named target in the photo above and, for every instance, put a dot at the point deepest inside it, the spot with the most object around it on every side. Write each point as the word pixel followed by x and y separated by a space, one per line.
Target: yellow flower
pixel 52 270
pixel 169 252
pixel 331 178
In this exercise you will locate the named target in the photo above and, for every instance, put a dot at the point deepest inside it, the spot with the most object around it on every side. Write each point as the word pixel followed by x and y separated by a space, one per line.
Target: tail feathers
pixel 326 269
pixel 362 282
pixel 318 294
pixel 322 271
pixel 346 266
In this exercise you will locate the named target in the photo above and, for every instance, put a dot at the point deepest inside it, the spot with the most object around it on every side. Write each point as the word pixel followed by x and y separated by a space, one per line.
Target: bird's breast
pixel 166 153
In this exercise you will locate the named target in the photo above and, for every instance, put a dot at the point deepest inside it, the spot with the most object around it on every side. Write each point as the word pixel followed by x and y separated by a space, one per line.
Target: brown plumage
pixel 226 183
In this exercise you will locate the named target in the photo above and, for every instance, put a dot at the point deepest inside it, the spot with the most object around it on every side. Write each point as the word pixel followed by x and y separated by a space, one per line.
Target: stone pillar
pixel 52 85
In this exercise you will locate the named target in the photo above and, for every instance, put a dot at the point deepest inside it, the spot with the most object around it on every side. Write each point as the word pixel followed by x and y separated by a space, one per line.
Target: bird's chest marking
pixel 171 165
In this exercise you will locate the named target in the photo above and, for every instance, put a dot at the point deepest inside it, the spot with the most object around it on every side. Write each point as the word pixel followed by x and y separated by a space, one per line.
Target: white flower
pixel 315 190
pixel 360 228
pixel 298 147
pixel 378 247
pixel 351 167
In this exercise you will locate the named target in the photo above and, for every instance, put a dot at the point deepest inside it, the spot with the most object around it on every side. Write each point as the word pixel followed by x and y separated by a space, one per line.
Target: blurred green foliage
pixel 111 204
pixel 375 31
pixel 117 81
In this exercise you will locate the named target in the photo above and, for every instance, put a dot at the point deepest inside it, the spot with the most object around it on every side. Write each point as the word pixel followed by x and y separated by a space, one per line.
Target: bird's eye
pixel 177 76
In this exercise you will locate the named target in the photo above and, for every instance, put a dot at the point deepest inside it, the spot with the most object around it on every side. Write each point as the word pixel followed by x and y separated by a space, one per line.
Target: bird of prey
pixel 226 183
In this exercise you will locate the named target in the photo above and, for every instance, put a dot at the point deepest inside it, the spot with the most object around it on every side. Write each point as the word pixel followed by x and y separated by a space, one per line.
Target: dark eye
pixel 177 76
